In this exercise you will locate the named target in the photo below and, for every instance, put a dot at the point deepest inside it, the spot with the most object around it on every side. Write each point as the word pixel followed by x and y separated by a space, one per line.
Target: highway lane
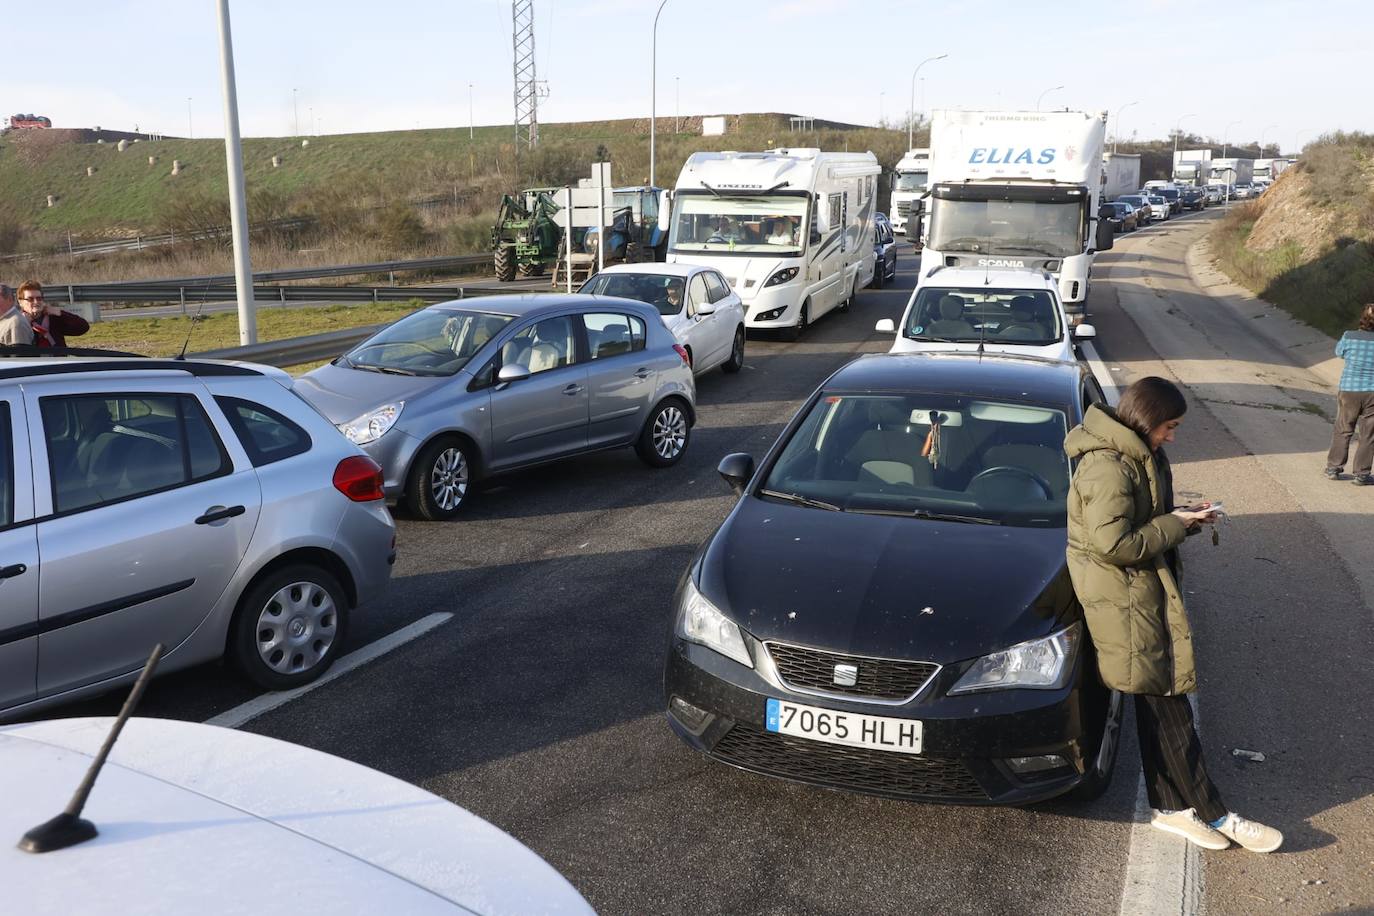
pixel 539 706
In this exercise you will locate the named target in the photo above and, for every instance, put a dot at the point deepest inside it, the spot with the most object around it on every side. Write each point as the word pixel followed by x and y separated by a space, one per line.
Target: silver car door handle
pixel 641 374
pixel 572 389
pixel 219 514
pixel 9 572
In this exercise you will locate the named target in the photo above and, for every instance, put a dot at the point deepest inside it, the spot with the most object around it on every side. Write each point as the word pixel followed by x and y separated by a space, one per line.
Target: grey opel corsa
pixel 466 389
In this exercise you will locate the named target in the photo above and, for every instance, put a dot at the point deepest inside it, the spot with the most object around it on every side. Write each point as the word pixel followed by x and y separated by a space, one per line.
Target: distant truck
pixel 1192 167
pixel 1120 174
pixel 1018 189
pixel 1267 170
pixel 29 121
pixel 1231 171
pixel 910 179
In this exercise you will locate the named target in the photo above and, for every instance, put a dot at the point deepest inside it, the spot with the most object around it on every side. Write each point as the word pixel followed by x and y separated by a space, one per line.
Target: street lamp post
pixel 1225 135
pixel 881 114
pixel 238 200
pixel 1116 134
pixel 190 132
pixel 677 105
pixel 1178 129
pixel 469 111
pixel 295 113
pixel 1042 95
pixel 1262 135
pixel 653 94
pixel 911 120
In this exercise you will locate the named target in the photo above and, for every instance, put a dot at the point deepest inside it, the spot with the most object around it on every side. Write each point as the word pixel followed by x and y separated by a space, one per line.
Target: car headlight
pixel 782 276
pixel 373 425
pixel 1038 664
pixel 702 622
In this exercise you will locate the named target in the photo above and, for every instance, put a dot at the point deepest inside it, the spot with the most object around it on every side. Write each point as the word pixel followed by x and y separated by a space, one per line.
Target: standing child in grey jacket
pixel 1355 403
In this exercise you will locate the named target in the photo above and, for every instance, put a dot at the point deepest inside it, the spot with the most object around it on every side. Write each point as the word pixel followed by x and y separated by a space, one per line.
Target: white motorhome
pixel 791 230
pixel 1018 189
pixel 1231 171
pixel 1192 167
pixel 909 181
pixel 1120 174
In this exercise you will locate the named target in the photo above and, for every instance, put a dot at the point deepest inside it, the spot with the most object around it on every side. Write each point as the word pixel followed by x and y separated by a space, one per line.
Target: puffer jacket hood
pixel 1120 533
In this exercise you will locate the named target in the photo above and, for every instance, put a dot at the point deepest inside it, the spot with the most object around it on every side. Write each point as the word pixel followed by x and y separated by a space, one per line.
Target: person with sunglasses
pixel 51 325
pixel 14 325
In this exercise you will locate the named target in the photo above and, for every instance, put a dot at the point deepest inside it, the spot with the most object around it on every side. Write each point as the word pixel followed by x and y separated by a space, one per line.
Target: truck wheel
pixel 505 264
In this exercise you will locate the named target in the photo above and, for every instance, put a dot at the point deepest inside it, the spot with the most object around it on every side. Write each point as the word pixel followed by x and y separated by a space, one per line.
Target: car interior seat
pixel 889 451
pixel 951 322
pixel 1022 324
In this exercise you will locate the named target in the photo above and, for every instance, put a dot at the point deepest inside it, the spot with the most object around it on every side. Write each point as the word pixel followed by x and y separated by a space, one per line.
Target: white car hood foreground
pixel 194 818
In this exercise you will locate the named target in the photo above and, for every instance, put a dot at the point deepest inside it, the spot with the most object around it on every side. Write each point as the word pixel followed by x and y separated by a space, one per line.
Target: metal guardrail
pixel 443 263
pixel 139 242
pixel 218 292
pixel 296 350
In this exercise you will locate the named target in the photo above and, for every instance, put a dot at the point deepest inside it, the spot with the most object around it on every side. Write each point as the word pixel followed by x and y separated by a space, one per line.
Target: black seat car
pixel 887 608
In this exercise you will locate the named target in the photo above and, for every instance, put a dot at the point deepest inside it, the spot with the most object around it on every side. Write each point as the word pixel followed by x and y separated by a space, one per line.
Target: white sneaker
pixel 1252 835
pixel 1188 825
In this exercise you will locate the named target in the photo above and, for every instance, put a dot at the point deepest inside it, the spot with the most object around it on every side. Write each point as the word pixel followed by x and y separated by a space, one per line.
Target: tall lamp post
pixel 1225 135
pixel 1297 136
pixel 295 113
pixel 1040 98
pixel 911 120
pixel 653 94
pixel 190 132
pixel 1116 134
pixel 238 201
pixel 1178 129
pixel 469 111
pixel 1262 135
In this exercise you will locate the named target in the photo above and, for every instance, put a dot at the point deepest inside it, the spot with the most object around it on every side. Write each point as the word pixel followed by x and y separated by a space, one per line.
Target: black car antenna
pixel 983 325
pixel 70 828
pixel 196 319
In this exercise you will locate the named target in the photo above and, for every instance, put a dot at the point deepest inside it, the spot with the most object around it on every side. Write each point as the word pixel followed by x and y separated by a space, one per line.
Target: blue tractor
pixel 634 234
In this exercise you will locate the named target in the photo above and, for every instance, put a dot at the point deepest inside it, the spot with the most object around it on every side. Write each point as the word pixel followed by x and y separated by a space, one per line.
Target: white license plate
pixel 879 733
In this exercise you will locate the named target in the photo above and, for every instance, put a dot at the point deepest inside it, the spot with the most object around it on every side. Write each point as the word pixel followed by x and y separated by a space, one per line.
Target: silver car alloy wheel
pixel 296 628
pixel 670 432
pixel 737 351
pixel 449 479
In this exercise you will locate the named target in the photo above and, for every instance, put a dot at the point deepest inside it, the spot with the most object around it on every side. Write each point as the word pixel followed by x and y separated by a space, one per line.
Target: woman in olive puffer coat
pixel 1123 536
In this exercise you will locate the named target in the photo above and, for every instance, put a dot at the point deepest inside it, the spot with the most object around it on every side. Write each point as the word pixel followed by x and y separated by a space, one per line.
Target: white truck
pixel 1120 174
pixel 1266 171
pixel 1230 171
pixel 791 230
pixel 1192 167
pixel 1019 189
pixel 909 182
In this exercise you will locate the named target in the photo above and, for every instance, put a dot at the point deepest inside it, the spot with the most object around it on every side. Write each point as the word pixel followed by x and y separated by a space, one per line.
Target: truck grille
pixel 909 776
pixel 903 208
pixel 801 668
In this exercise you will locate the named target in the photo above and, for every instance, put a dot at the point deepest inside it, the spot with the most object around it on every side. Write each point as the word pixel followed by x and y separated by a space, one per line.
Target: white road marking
pixel 1163 872
pixel 246 712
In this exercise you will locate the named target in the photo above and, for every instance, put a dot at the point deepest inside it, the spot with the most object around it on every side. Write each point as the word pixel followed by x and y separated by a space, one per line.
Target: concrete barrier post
pixel 176 166
pixel 52 201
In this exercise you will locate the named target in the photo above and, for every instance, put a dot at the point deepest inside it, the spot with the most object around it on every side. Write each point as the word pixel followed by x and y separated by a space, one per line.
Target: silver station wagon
pixel 466 389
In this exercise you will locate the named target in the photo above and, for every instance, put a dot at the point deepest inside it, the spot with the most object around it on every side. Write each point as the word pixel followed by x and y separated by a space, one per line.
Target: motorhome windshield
pixel 772 224
pixel 911 181
pixel 1049 229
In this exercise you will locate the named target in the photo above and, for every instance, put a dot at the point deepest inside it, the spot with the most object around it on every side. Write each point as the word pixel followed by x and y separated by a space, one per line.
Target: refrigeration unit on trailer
pixel 1018 189
pixel 1192 167
pixel 1231 171
pixel 1120 174
pixel 791 230
pixel 909 182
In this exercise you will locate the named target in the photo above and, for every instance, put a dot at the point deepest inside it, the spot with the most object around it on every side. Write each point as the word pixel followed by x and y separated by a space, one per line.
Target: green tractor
pixel 526 239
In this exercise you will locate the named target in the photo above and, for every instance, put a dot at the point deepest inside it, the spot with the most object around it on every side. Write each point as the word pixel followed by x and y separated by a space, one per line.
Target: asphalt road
pixel 538 706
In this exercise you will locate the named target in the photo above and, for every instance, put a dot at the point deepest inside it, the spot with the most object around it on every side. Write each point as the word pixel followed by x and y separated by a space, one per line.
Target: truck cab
pixel 910 179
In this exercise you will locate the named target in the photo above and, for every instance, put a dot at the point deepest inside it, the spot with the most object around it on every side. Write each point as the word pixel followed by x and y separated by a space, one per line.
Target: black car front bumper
pixel 967 742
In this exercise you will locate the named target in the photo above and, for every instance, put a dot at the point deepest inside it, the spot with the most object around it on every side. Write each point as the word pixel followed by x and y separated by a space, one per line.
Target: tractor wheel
pixel 528 269
pixel 634 253
pixel 505 264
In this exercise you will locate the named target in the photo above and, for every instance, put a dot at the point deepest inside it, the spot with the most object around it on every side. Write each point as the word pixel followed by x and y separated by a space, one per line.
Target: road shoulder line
pixel 246 712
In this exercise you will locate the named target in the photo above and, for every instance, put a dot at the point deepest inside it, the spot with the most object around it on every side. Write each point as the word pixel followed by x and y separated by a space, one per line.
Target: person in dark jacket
pixel 1355 403
pixel 1123 532
pixel 51 325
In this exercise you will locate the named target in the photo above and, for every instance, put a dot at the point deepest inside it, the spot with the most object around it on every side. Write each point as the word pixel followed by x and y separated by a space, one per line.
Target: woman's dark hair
pixel 1367 318
pixel 1150 402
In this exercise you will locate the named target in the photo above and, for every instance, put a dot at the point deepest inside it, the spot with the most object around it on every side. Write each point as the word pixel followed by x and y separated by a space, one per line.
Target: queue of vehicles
pixel 951 443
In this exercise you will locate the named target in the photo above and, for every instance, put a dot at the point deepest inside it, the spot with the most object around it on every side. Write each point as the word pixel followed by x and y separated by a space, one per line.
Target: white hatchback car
pixel 708 321
pixel 1002 311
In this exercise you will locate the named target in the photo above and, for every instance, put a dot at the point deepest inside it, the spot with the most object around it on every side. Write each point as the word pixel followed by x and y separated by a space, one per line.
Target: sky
pixel 334 66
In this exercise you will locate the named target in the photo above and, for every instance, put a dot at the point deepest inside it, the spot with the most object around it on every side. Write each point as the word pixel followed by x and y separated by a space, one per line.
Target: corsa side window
pixel 266 435
pixel 106 448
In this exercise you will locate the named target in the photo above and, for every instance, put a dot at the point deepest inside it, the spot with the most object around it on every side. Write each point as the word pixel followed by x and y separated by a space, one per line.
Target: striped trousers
pixel 1171 754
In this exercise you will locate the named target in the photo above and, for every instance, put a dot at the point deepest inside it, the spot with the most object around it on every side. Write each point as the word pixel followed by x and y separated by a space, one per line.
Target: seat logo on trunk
pixel 846 675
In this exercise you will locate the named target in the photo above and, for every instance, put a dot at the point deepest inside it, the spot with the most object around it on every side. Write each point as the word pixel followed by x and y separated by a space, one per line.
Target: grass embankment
pixel 165 336
pixel 1308 244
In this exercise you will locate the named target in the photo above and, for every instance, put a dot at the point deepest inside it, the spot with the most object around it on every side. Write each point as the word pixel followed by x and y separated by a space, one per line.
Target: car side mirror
pixel 512 372
pixel 737 468
pixel 706 308
pixel 1084 332
pixel 885 326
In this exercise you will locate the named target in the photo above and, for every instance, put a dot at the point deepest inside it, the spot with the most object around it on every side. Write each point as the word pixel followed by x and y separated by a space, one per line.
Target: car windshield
pixel 1002 316
pixel 770 225
pixel 940 455
pixel 659 290
pixel 434 341
pixel 1134 201
pixel 911 181
pixel 1168 193
pixel 1053 230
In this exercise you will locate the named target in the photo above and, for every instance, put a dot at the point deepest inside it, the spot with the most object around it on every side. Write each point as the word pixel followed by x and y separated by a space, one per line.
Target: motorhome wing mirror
pixel 815 235
pixel 665 210
pixel 1104 235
